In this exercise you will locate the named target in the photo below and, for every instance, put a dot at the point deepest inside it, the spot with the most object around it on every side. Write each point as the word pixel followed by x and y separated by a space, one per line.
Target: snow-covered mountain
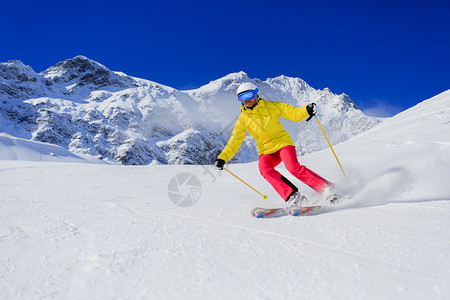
pixel 83 106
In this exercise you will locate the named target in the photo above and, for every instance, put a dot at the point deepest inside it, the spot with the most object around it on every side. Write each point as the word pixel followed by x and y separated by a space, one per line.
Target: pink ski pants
pixel 287 155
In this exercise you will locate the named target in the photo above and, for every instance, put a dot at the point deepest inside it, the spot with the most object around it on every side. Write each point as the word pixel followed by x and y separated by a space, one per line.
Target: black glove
pixel 312 110
pixel 219 164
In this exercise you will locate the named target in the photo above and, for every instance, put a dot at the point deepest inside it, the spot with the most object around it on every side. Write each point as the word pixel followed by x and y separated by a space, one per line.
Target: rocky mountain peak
pixel 70 69
pixel 84 71
pixel 16 70
pixel 17 79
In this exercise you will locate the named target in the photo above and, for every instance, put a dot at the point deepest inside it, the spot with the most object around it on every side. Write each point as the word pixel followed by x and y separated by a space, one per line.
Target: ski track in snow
pixel 300 240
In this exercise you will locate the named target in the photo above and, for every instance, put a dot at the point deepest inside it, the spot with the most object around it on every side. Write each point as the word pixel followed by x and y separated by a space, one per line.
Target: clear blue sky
pixel 388 54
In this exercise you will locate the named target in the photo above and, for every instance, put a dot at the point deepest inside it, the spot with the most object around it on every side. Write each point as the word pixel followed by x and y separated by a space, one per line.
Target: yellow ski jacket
pixel 263 124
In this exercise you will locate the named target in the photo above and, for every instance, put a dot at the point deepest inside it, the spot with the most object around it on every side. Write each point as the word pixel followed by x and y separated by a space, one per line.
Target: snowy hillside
pixel 12 148
pixel 96 231
pixel 81 105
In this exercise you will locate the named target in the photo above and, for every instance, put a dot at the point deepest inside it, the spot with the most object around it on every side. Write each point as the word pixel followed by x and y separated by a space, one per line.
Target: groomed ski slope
pixel 73 230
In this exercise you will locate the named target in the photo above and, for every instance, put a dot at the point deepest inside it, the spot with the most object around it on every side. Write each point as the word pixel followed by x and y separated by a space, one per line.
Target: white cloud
pixel 381 108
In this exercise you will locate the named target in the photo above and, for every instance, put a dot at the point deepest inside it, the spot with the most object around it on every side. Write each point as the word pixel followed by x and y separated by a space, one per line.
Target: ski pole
pixel 331 147
pixel 264 196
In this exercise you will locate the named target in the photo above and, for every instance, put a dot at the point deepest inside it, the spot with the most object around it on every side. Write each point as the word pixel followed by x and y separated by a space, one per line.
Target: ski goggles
pixel 247 95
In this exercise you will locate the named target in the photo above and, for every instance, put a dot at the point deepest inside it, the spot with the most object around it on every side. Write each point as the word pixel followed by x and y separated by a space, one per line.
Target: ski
pixel 304 210
pixel 260 212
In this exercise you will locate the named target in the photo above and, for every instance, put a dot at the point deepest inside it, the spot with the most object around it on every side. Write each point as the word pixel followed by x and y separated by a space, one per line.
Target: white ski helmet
pixel 246 86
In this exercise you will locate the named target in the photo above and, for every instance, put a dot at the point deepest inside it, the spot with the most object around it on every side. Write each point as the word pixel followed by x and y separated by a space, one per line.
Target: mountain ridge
pixel 82 105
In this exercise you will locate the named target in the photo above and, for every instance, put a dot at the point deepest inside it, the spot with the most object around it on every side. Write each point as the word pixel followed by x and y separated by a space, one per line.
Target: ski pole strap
pixel 264 196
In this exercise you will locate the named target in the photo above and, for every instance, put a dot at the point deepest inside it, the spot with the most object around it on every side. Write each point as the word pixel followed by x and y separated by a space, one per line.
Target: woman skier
pixel 260 118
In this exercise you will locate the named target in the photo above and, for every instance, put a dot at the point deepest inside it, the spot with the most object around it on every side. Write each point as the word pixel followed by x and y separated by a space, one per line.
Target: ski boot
pixel 296 200
pixel 330 195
